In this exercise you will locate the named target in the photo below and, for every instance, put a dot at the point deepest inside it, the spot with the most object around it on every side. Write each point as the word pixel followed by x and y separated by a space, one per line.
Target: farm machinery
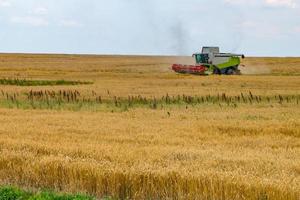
pixel 211 61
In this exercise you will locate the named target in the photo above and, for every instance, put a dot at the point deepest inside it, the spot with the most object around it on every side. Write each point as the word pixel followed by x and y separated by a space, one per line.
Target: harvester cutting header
pixel 211 61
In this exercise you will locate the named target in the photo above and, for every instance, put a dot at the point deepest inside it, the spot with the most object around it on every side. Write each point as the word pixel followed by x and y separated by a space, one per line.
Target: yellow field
pixel 209 150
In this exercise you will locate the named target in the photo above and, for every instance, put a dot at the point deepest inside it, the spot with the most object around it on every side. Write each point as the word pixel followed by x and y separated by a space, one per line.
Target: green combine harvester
pixel 211 61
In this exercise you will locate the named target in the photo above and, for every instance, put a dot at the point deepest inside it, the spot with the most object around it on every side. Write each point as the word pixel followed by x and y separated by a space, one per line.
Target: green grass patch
pixel 12 193
pixel 24 82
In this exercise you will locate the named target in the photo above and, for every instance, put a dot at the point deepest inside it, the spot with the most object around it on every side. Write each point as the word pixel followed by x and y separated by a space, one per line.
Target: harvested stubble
pixel 211 150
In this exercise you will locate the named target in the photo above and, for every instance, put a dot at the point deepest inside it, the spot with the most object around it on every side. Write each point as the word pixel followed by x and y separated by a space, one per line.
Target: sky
pixel 150 27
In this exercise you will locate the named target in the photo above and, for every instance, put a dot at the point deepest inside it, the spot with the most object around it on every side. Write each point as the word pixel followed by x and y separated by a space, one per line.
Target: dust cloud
pixel 184 60
pixel 255 70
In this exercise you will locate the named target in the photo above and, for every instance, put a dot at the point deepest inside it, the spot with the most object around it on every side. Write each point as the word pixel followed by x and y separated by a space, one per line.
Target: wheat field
pixel 140 131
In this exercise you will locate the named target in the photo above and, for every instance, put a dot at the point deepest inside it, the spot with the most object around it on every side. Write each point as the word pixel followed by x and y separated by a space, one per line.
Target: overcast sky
pixel 168 27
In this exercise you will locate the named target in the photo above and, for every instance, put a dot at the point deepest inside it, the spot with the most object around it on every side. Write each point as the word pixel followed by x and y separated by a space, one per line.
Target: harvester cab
pixel 211 61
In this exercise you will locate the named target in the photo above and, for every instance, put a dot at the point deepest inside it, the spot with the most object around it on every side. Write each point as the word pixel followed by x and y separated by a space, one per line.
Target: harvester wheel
pixel 217 71
pixel 237 72
pixel 233 71
pixel 230 71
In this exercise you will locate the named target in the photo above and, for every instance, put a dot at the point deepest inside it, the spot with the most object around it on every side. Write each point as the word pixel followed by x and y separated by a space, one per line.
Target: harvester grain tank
pixel 211 61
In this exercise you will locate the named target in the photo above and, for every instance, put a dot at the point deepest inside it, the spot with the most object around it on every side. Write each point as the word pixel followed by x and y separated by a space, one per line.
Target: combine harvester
pixel 211 61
